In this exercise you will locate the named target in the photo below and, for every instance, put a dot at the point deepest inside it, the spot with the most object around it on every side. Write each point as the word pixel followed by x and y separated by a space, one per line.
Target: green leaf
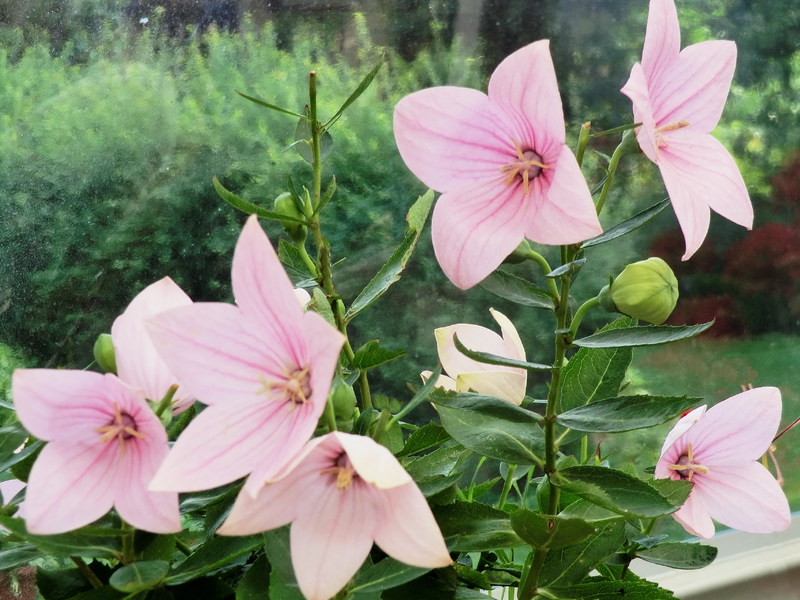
pixel 282 583
pixel 360 88
pixel 679 555
pixel 570 267
pixel 320 305
pixel 372 355
pixel 255 580
pixel 302 141
pixel 570 564
pixel 385 575
pixel 15 459
pixel 545 531
pixel 437 470
pixel 494 359
pixel 211 556
pixel 390 272
pixel 90 541
pixel 626 413
pixel 603 589
pixel 615 491
pixel 627 226
pixel 293 263
pixel 424 438
pixel 139 576
pixel 326 195
pixel 594 374
pixel 491 427
pixel 271 106
pixel 11 438
pixel 675 491
pixel 421 395
pixel 475 527
pixel 516 289
pixel 248 207
pixel 15 557
pixel 649 335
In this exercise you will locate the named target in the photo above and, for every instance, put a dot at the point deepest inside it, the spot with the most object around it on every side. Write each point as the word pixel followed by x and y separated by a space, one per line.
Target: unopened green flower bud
pixel 285 205
pixel 644 290
pixel 520 253
pixel 344 400
pixel 104 353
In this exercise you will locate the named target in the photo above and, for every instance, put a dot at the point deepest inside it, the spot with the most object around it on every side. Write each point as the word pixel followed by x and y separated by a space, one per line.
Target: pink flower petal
pixel 526 81
pixel 506 385
pixel 406 529
pixel 636 90
pixel 474 229
pixel 744 496
pixel 450 137
pixel 70 485
pixel 331 539
pixel 565 212
pixel 374 463
pixel 473 337
pixel 443 381
pixel 511 340
pixel 662 40
pixel 694 516
pixel 138 363
pixel 683 425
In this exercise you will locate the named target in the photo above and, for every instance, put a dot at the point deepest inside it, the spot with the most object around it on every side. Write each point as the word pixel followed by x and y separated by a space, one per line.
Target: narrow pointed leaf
pixel 626 413
pixel 516 289
pixel 14 459
pixel 139 576
pixel 641 336
pixel 362 86
pixel 271 106
pixel 493 359
pixel 19 556
pixel 679 555
pixel 327 195
pixel 570 267
pixel 545 531
pixel 421 395
pixel 628 225
pixel 248 207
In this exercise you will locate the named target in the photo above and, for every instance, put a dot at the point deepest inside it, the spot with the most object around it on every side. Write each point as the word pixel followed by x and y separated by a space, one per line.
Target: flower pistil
pixel 686 467
pixel 528 166
pixel 122 427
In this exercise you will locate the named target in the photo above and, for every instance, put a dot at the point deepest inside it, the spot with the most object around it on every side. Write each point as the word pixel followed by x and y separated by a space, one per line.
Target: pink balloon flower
pixel 104 446
pixel 508 383
pixel 501 163
pixel 678 97
pixel 342 493
pixel 718 451
pixel 263 367
pixel 138 363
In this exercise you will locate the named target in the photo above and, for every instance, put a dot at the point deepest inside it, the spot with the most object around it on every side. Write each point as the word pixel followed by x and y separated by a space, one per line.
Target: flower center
pixel 122 427
pixel 660 131
pixel 527 166
pixel 343 471
pixel 298 386
pixel 686 467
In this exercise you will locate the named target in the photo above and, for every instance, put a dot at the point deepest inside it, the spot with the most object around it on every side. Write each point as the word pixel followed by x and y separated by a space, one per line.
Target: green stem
pixel 506 486
pixel 87 572
pixel 474 478
pixel 584 449
pixel 330 416
pixel 166 401
pixel 621 150
pixel 307 260
pixel 546 269
pixel 583 141
pixel 182 547
pixel 128 553
pixel 580 313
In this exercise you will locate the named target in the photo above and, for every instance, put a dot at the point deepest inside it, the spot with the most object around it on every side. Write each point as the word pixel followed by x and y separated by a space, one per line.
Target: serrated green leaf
pixel 594 374
pixel 615 491
pixel 248 207
pixel 570 564
pixel 139 576
pixel 320 305
pixel 626 413
pixel 675 491
pixel 385 575
pixel 442 462
pixel 417 215
pixel 599 589
pixel 15 557
pixel 491 427
pixel 546 531
pixel 293 263
pixel 516 289
pixel 270 106
pixel 649 335
pixel 494 359
pixel 475 527
pixel 627 226
pixel 679 555
pixel 426 437
pixel 372 355
pixel 212 555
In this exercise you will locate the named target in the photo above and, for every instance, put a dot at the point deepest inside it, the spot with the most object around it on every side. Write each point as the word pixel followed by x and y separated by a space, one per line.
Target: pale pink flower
pixel 138 363
pixel 678 97
pixel 501 163
pixel 508 383
pixel 718 451
pixel 342 493
pixel 104 446
pixel 263 367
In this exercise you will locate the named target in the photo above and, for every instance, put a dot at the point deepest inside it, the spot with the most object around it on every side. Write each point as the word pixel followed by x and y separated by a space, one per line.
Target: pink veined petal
pixel 70 485
pixel 374 463
pixel 406 529
pixel 323 344
pixel 738 429
pixel 565 213
pixel 65 405
pixel 263 290
pixel 506 385
pixel 331 539
pixel 526 81
pixel 696 87
pixel 475 228
pixel 226 442
pixel 662 40
pixel 217 353
pixel 511 339
pixel 474 337
pixel 450 137
pixel 138 363
pixel 636 90
pixel 683 425
pixel 694 516
pixel 150 511
pixel 744 496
